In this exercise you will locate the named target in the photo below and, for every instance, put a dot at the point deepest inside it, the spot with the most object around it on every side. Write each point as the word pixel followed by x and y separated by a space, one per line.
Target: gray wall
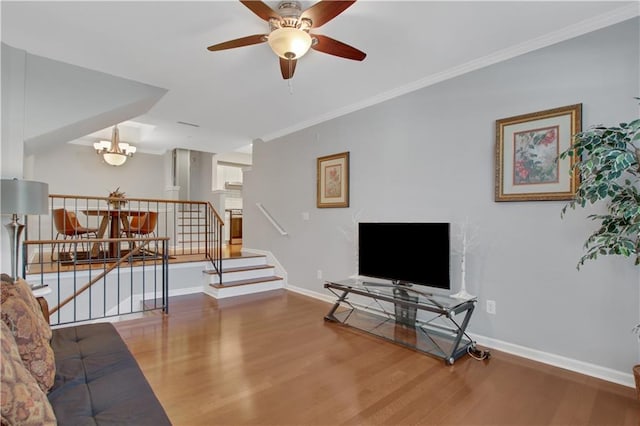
pixel 429 156
pixel 36 126
pixel 80 171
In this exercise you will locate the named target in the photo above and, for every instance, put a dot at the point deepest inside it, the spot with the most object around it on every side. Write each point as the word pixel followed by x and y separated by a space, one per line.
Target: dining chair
pixel 143 225
pixel 69 227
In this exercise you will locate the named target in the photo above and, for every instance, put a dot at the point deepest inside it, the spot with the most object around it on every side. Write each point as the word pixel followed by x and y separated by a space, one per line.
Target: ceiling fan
pixel 289 35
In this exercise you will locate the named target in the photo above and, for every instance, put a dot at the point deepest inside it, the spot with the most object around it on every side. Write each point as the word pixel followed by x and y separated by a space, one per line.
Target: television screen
pixel 384 252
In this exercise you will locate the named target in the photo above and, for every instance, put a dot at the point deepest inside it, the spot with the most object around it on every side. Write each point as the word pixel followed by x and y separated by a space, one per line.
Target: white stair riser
pixel 221 293
pixel 241 262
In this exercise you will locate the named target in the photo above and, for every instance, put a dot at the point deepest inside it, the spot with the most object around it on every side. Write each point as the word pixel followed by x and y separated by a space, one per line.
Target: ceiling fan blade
pixel 239 42
pixel 324 11
pixel 287 67
pixel 261 9
pixel 337 48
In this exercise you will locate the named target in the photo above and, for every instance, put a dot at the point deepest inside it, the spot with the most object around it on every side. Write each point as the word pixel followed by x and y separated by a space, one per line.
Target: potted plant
pixel 608 161
pixel 117 198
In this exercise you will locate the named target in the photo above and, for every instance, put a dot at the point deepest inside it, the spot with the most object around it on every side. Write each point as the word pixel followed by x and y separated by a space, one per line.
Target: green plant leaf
pixel 605 158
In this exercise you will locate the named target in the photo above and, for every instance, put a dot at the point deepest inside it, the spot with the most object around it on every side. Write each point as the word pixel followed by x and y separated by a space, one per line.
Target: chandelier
pixel 115 153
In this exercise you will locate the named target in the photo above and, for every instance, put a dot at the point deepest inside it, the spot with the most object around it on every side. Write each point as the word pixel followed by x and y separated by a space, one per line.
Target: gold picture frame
pixel 528 147
pixel 333 180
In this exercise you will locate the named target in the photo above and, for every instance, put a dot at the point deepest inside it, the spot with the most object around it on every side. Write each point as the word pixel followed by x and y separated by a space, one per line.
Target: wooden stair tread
pixel 239 269
pixel 246 268
pixel 246 282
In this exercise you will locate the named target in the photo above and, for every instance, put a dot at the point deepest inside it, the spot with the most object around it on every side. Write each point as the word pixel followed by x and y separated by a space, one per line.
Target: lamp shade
pixel 289 43
pixel 114 158
pixel 24 197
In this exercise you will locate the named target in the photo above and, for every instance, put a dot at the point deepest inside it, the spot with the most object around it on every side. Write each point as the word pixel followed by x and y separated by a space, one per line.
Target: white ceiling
pixel 238 95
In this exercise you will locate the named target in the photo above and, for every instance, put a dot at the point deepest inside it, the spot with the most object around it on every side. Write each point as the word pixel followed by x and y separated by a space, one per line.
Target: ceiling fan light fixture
pixel 289 43
pixel 114 152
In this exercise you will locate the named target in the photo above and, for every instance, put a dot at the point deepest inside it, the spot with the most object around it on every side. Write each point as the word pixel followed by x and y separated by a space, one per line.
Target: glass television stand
pixel 404 314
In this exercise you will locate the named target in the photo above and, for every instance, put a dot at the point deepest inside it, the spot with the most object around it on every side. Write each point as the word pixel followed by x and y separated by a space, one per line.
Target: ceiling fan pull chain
pixel 290 83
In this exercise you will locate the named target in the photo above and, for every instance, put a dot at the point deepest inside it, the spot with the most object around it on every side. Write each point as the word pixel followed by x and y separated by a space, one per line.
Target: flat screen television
pixel 384 252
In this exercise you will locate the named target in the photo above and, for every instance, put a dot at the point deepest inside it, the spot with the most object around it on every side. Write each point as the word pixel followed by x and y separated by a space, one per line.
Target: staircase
pixel 191 223
pixel 243 275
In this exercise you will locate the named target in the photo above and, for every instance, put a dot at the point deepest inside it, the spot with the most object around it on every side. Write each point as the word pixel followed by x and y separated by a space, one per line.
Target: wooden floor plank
pixel 271 359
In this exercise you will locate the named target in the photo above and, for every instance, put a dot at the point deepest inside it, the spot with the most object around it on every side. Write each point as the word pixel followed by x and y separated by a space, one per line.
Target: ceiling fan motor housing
pixel 290 12
pixel 290 9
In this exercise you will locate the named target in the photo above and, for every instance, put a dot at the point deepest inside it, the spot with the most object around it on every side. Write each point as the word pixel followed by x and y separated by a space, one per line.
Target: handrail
pixel 110 268
pixel 271 219
pixel 209 239
pixel 187 230
pixel 140 255
pixel 215 253
pixel 144 200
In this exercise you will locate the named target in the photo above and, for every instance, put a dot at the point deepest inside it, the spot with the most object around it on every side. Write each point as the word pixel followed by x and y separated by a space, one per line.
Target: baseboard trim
pixel 185 291
pixel 593 370
pixel 325 298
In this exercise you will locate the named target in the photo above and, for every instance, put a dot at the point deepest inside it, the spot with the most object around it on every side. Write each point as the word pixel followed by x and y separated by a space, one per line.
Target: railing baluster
pixel 184 229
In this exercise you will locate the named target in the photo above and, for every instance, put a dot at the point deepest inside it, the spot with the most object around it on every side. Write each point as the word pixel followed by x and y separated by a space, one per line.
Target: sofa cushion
pixel 24 291
pixel 22 400
pixel 31 337
pixel 98 381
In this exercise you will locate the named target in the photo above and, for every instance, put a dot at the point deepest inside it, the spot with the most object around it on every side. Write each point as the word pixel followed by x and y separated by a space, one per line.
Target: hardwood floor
pixel 271 359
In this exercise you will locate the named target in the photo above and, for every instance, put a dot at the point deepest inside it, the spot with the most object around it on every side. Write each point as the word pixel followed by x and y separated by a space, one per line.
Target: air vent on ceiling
pixel 188 124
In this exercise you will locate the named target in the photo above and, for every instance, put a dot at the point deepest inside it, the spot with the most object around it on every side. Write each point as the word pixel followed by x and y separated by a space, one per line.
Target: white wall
pixel 429 156
pixel 13 76
pixel 47 103
pixel 78 170
pixel 65 102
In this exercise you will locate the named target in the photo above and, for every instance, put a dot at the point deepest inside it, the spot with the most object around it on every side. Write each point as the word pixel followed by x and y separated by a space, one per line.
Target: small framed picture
pixel 333 180
pixel 528 147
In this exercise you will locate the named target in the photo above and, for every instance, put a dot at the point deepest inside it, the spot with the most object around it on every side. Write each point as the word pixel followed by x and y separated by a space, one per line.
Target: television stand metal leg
pixel 330 316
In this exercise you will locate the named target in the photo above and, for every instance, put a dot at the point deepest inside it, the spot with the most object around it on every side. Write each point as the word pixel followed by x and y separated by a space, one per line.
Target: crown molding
pixel 584 27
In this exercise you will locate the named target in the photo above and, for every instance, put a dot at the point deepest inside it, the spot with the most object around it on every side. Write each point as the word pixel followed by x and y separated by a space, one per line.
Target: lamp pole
pixel 15 230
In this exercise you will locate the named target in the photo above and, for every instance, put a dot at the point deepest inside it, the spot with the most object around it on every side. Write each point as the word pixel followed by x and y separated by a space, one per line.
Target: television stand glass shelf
pixel 408 315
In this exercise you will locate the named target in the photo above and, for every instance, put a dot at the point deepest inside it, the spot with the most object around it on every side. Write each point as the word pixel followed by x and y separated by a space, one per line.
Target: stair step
pixel 246 268
pixel 246 282
pixel 246 260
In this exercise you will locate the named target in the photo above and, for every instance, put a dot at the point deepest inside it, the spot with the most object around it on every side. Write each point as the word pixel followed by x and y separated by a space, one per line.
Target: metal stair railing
pixel 58 257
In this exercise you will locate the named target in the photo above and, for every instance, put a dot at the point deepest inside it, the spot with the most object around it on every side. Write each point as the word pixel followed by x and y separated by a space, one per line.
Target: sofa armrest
pixel 44 306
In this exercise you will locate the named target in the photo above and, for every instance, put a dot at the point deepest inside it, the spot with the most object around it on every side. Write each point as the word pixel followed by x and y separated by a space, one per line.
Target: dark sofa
pixel 98 381
pixel 77 375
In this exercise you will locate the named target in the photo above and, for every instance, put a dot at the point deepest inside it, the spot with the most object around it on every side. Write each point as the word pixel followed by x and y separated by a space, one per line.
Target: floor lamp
pixel 21 197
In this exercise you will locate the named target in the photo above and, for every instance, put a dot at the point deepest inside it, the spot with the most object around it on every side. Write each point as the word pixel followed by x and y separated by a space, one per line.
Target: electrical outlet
pixel 491 307
pixel 305 215
pixel 319 274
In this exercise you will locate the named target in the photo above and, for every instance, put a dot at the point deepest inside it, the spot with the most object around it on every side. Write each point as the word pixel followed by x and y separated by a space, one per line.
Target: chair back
pixel 66 222
pixel 144 224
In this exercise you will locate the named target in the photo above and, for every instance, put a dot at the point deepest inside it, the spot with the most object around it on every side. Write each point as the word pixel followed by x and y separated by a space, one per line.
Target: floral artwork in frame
pixel 528 147
pixel 333 181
